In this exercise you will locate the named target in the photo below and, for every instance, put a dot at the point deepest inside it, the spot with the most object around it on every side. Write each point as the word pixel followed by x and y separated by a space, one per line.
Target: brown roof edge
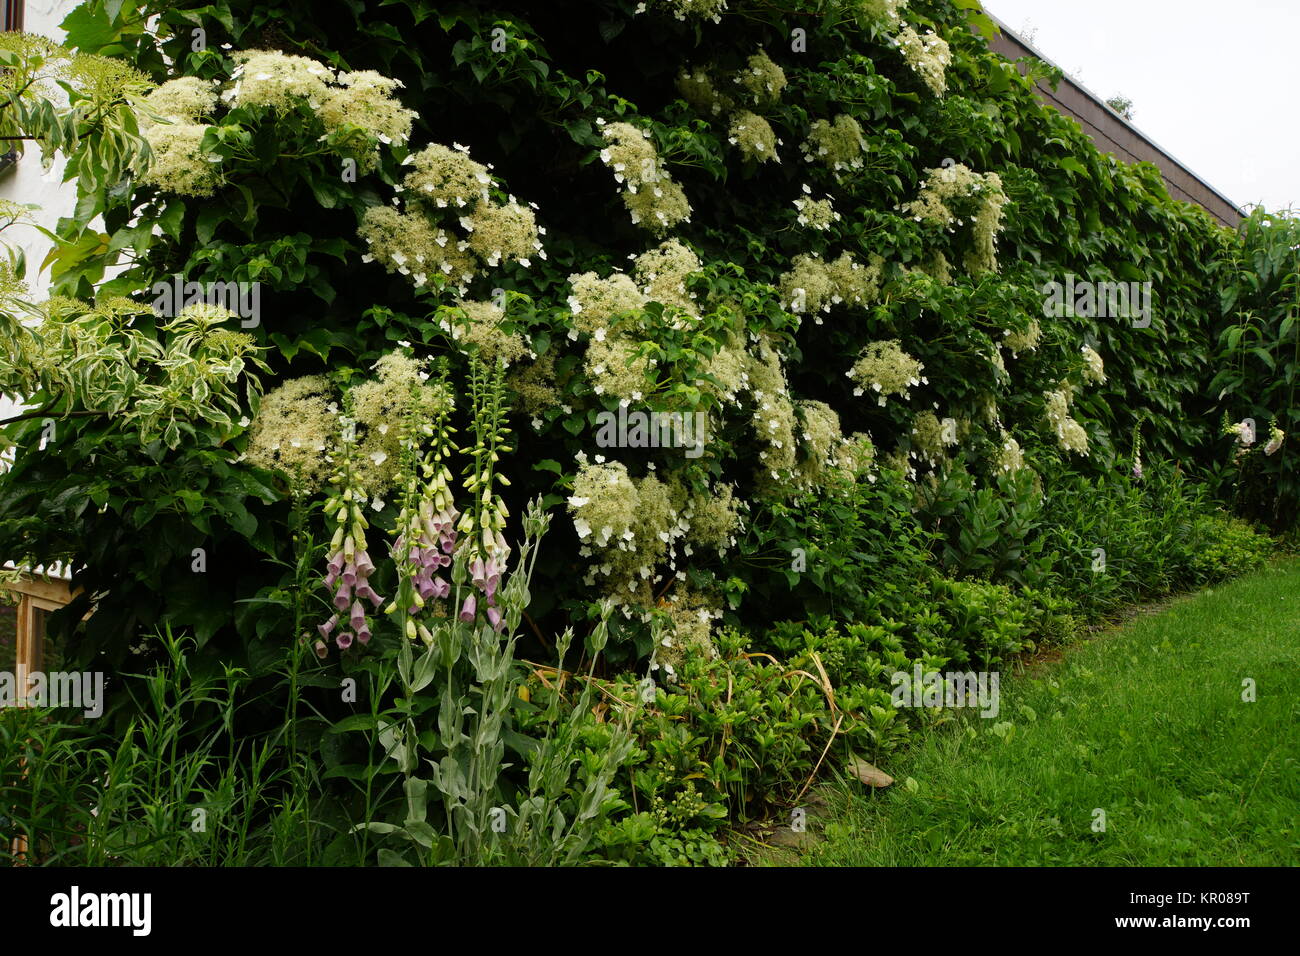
pixel 1114 134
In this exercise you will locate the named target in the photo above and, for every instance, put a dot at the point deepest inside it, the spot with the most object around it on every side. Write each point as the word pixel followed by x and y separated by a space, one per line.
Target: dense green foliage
pixel 907 459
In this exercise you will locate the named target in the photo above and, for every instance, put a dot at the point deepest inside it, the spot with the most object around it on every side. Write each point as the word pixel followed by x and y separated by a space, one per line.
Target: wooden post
pixel 37 595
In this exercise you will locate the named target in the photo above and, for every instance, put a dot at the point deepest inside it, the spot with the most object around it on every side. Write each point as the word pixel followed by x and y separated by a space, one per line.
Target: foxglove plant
pixel 426 525
pixel 469 649
pixel 350 567
pixel 484 520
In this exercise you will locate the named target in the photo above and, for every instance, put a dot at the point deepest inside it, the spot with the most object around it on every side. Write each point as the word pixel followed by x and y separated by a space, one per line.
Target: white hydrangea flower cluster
pixel 1069 433
pixel 885 12
pixel 613 359
pixel 753 136
pixel 775 420
pixel 362 103
pixel 955 185
pixel 697 88
pixel 839 144
pixel 762 79
pixel 170 119
pixel 688 634
pixel 816 214
pixel 825 449
pixel 1010 457
pixel 884 368
pixel 294 426
pixel 358 109
pixel 481 331
pixel 760 84
pixel 653 199
pixel 186 99
pixel 278 81
pixel 1026 341
pixel 814 285
pixel 929 56
pixel 179 163
pixel 634 527
pixel 298 424
pixel 445 180
pixel 662 273
pixel 366 100
pixel 1094 370
pixel 931 437
pixel 681 9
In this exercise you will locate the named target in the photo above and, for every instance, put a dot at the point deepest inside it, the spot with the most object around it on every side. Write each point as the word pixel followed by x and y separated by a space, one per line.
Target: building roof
pixel 1114 134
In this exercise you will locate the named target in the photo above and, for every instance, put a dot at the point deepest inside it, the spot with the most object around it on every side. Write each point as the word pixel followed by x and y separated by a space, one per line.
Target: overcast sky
pixel 1215 84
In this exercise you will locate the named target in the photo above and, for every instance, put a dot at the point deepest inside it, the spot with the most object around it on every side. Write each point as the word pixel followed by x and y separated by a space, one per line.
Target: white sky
pixel 1214 84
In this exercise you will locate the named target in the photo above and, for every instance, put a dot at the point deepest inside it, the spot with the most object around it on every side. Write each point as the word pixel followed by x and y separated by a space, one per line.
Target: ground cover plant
pixel 455 276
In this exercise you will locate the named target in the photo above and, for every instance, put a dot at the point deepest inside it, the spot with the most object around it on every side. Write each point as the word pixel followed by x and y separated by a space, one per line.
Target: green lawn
pixel 1145 722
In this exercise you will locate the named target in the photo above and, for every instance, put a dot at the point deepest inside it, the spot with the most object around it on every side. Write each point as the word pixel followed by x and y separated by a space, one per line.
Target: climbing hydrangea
pixel 293 429
pixel 481 331
pixel 946 193
pixel 1010 458
pixel 884 368
pixel 839 145
pixel 814 285
pixel 762 79
pixel 596 302
pixel 179 163
pixel 277 81
pixel 1026 341
pixel 446 177
pixel 816 214
pixel 1069 433
pixel 1094 370
pixel 753 136
pixel 698 89
pixel 681 9
pixel 662 272
pixel 184 99
pixel 366 99
pixel 652 198
pixel 929 56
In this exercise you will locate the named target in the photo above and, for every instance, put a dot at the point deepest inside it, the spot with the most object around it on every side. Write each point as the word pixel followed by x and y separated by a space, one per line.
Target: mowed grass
pixel 1145 723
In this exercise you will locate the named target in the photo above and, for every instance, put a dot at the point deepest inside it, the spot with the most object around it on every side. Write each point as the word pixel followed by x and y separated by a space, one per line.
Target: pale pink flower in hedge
pixel 494 618
pixel 467 609
pixel 344 640
pixel 1244 431
pixel 358 618
pixel 364 590
pixel 321 649
pixel 343 597
pixel 363 634
pixel 1275 439
pixel 327 628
